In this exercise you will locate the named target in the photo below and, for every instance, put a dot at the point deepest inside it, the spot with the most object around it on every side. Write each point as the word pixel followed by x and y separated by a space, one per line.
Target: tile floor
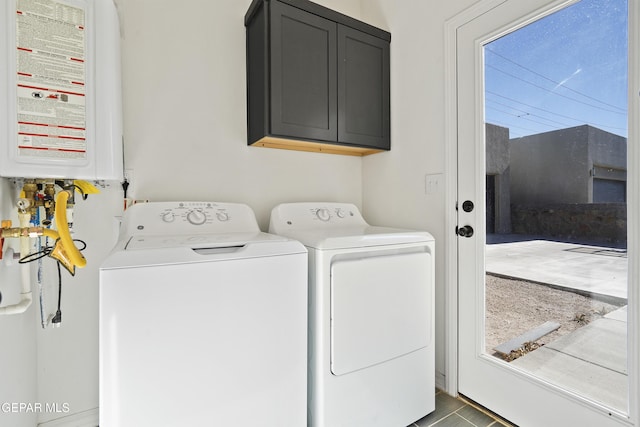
pixel 452 412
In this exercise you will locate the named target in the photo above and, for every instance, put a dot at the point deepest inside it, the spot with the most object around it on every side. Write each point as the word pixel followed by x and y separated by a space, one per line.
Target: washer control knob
pixel 340 213
pixel 196 217
pixel 168 216
pixel 323 214
pixel 222 216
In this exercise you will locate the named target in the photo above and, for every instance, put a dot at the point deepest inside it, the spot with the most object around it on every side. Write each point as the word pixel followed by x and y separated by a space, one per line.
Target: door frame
pixel 450 382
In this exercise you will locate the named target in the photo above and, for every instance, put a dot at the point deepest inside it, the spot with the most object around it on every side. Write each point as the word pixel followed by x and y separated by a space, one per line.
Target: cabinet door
pixel 303 74
pixel 363 89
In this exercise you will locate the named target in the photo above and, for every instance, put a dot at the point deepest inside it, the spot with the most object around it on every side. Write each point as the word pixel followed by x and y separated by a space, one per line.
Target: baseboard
pixel 82 419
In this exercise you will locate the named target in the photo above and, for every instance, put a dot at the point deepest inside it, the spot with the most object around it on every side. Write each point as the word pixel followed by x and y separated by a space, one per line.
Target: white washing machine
pixel 371 313
pixel 202 320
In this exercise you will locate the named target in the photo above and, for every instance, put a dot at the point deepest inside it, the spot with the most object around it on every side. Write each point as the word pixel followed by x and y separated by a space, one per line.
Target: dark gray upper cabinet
pixel 317 80
pixel 363 89
pixel 303 74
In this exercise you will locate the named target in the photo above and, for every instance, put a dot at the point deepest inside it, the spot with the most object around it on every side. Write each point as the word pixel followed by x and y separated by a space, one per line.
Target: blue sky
pixel 565 70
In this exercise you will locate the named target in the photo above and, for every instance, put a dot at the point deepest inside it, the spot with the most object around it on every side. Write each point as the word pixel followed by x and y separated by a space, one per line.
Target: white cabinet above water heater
pixel 60 92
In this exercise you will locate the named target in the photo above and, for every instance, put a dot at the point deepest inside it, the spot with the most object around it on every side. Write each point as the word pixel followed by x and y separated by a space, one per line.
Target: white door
pixel 587 376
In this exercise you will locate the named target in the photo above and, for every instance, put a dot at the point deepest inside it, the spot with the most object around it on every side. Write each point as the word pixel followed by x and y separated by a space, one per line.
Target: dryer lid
pixel 358 237
pixel 325 225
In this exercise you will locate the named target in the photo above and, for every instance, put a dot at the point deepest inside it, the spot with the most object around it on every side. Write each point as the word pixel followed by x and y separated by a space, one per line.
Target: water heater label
pixel 51 68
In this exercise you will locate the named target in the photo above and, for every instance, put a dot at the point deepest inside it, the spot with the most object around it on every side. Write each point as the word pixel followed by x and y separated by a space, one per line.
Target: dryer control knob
pixel 340 213
pixel 323 214
pixel 196 217
pixel 168 217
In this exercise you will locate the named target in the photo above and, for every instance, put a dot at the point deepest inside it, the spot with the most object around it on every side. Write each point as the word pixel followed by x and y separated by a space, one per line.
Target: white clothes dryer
pixel 202 320
pixel 371 314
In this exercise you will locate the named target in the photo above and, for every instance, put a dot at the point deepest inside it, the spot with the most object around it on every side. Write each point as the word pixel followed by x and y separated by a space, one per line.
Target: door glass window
pixel 556 214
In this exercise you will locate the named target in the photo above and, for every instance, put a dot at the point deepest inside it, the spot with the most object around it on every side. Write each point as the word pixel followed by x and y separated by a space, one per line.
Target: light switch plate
pixel 433 183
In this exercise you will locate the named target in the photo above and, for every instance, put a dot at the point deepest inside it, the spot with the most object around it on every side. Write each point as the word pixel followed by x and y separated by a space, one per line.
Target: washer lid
pixel 357 237
pixel 197 241
pixel 163 250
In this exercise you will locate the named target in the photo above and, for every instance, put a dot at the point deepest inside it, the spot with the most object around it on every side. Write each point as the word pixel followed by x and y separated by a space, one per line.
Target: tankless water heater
pixel 60 95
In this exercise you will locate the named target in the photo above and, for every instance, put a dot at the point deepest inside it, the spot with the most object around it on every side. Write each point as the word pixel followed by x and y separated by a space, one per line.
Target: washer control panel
pixel 301 216
pixel 188 217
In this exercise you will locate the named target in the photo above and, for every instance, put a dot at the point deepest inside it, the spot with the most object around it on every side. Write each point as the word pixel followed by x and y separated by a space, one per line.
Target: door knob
pixel 466 231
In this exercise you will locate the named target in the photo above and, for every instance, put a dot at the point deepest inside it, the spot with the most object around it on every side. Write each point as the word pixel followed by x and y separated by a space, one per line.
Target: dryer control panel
pixel 188 218
pixel 303 216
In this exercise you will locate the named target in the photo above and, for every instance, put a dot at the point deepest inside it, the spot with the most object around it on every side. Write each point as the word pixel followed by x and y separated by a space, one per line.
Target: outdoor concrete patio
pixel 587 269
pixel 592 361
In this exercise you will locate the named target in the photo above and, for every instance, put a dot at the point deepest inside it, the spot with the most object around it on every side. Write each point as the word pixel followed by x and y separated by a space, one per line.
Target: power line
pixel 511 128
pixel 524 118
pixel 527 113
pixel 553 81
pixel 554 113
pixel 553 92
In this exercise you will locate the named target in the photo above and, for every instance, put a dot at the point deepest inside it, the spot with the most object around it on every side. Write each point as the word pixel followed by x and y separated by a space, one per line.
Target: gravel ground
pixel 516 306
